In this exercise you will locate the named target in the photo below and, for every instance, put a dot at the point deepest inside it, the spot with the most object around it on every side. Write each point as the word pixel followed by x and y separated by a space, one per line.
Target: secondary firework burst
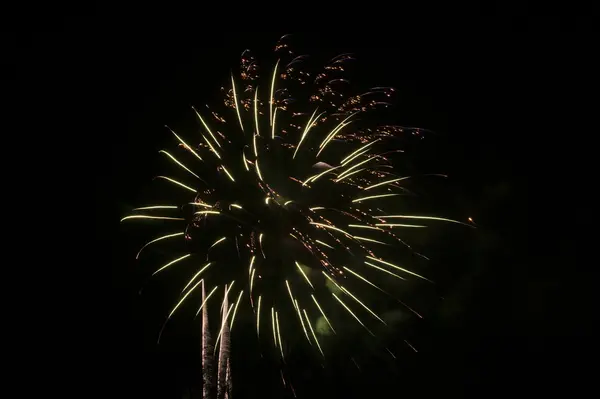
pixel 287 194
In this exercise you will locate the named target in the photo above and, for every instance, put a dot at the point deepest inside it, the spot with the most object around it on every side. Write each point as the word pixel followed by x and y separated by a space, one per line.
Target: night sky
pixel 505 322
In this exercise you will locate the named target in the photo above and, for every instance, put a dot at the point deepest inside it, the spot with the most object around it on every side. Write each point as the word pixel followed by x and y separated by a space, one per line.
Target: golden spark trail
pixel 211 147
pixel 322 313
pixel 149 217
pixel 258 317
pixel 344 173
pixel 374 197
pixel 278 334
pixel 207 128
pixel 313 332
pixel 171 263
pixel 158 239
pixel 218 241
pixel 353 315
pixel 196 275
pixel 399 225
pixel 273 322
pixel 256 111
pixel 206 300
pixel 386 182
pixel 237 108
pixel 384 270
pixel 223 324
pixel 302 321
pixel 306 129
pixel 178 163
pixel 421 218
pixel 272 100
pixel 176 182
pixel 304 274
pixel 363 305
pixel 346 160
pixel 185 144
pixel 235 309
pixel 349 174
pixel 399 268
pixel 156 207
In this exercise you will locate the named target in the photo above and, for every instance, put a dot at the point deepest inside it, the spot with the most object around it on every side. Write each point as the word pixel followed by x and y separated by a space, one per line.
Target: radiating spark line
pixel 421 218
pixel 236 206
pixel 324 244
pixel 196 276
pixel 227 289
pixel 356 156
pixel 287 202
pixel 316 208
pixel 273 125
pixel 326 226
pixel 363 305
pixel 228 174
pixel 185 144
pixel 211 146
pixel 349 174
pixel 258 171
pixel 207 213
pixel 183 299
pixel 171 263
pixel 157 239
pixel 304 274
pixel 176 182
pixel 252 280
pixel 245 161
pixel 313 332
pixel 223 324
pixel 399 268
pixel 258 317
pixel 334 131
pixel 344 173
pixel 237 108
pixel 178 163
pixel 374 197
pixel 399 225
pixel 332 280
pixel 149 217
pixel 235 309
pixel 217 242
pixel 251 263
pixel 360 226
pixel 200 204
pixel 156 207
pixel 306 130
pixel 272 99
pixel 254 144
pixel 411 347
pixel 315 177
pixel 384 270
pixel 297 307
pixel 207 128
pixel 278 334
pixel 206 300
pixel 273 322
pixel 267 200
pixel 390 352
pixel 386 182
pixel 369 240
pixel 353 315
pixel 345 160
pixel 322 313
pixel 256 110
pixel 362 278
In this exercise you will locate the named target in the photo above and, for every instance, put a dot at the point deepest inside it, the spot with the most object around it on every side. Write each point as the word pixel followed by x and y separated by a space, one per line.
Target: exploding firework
pixel 286 199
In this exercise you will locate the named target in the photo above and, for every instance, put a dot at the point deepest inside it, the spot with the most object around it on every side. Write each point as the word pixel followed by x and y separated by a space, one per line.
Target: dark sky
pixel 508 327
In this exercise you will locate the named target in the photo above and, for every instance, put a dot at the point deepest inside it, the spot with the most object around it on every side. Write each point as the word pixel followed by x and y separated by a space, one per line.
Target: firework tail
pixel 223 376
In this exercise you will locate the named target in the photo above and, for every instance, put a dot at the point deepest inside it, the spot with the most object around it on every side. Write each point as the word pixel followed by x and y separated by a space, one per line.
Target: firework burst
pixel 287 195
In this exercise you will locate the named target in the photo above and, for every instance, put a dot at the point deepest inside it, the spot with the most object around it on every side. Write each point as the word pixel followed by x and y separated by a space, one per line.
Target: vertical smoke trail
pixel 207 353
pixel 222 376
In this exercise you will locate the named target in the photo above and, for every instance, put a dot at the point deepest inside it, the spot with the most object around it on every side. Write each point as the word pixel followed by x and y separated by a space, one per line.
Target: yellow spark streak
pixel 207 213
pixel 196 275
pixel 252 280
pixel 211 146
pixel 421 217
pixel 315 177
pixel 349 311
pixel 306 129
pixel 200 204
pixel 332 280
pixel 272 100
pixel 326 226
pixel 251 263
pixel 237 108
pixel 369 240
pixel 273 322
pixel 278 334
pixel 245 161
pixel 235 309
pixel 384 270
pixel 258 170
pixel 254 143
pixel 349 174
pixel 207 128
pixel 316 208
pixel 156 207
pixel 226 293
pixel 157 239
pixel 345 160
pixel 170 263
pixel 363 305
pixel 206 299
pixel 176 182
pixel 362 278
pixel 185 144
pixel 356 156
pixel 324 244
pixel 236 206
pixel 218 241
pixel 178 163
pixel 335 130
pixel 344 173
pixel 260 236
pixel 305 276
pixel 256 110
pixel 228 174
pixel 183 299
pixel 313 332
pixel 374 197
pixel 390 352
pixel 399 268
pixel 287 202
pixel 398 225
pixel 223 324
pixel 323 313
pixel 258 317
pixel 273 127
pixel 386 182
pixel 267 200
pixel 149 217
pixel 302 321
pixel 360 226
